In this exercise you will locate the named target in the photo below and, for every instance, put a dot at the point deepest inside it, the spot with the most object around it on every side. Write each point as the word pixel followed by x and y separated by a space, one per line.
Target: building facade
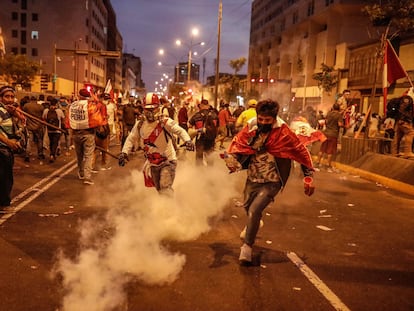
pixel 65 37
pixel 132 83
pixel 181 72
pixel 291 39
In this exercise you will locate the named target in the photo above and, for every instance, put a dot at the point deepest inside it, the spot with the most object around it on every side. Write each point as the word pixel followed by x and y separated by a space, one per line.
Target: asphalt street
pixel 117 245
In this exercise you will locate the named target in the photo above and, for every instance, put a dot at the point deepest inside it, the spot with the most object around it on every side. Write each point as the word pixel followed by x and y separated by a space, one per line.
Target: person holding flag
pixel 393 70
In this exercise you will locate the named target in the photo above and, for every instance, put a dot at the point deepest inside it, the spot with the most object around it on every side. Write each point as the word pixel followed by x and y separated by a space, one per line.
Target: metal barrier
pixel 354 148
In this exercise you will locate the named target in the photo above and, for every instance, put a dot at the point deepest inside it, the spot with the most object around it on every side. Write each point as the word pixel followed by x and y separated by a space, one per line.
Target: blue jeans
pixel 84 141
pixel 257 197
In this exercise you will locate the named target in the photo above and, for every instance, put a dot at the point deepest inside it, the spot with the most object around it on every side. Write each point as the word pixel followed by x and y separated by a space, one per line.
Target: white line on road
pixel 318 283
pixel 49 180
pixel 39 183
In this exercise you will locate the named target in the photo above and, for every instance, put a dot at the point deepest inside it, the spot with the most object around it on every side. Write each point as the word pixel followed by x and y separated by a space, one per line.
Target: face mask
pixel 264 128
pixel 149 115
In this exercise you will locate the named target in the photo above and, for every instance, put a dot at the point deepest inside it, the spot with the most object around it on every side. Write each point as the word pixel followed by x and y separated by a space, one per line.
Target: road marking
pixel 49 180
pixel 39 183
pixel 318 283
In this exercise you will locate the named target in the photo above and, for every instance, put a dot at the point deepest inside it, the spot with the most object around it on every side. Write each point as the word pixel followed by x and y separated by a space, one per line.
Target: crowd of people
pixel 259 140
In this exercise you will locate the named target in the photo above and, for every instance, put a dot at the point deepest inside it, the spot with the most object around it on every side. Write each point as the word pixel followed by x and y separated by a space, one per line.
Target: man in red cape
pixel 265 147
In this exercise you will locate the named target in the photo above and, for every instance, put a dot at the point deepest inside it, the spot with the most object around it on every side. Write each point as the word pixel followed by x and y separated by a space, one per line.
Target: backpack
pixel 393 108
pixel 52 118
pixel 210 125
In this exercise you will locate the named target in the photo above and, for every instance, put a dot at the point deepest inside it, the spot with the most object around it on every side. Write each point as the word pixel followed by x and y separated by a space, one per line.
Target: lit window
pixel 35 35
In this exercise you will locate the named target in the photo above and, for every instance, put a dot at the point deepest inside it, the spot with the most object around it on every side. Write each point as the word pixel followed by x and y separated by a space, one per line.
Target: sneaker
pixel 243 233
pixel 94 171
pixel 51 159
pixel 80 176
pixel 245 257
pixel 105 168
pixel 88 181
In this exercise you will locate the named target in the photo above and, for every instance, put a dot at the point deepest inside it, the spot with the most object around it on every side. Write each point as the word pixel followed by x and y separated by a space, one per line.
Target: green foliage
pixel 237 64
pixel 327 79
pixel 17 69
pixel 233 81
pixel 397 14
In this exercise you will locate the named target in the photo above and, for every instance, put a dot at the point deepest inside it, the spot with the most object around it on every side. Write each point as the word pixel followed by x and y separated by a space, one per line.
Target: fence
pixel 354 148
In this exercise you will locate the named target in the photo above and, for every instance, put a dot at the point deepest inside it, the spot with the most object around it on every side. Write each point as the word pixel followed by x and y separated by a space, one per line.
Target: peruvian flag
pixel 393 70
pixel 109 90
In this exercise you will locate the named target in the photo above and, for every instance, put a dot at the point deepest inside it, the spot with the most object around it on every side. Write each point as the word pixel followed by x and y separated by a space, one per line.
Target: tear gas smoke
pixel 131 241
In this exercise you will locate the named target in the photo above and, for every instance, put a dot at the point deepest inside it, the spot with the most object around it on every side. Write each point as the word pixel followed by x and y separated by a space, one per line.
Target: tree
pixel 17 69
pixel 327 79
pixel 397 18
pixel 237 64
pixel 234 80
pixel 396 15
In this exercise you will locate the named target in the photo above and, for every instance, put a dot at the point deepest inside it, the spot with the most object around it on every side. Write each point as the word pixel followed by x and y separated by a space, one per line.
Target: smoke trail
pixel 131 241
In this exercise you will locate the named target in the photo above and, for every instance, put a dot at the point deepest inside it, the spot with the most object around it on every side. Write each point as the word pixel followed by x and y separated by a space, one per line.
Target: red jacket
pixel 282 143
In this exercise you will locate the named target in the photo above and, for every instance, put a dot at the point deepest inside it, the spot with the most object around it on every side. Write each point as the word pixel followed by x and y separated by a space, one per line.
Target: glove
pixel 308 185
pixel 189 145
pixel 122 159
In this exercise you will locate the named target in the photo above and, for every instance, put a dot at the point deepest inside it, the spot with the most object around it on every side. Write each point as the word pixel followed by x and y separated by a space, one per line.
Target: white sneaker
pixel 88 181
pixel 243 233
pixel 245 254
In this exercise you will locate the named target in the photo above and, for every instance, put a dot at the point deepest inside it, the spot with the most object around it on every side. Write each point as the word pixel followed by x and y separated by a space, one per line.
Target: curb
pixel 388 182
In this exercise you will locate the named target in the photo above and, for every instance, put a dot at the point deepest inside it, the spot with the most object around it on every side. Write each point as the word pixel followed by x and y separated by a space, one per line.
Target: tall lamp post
pixel 194 33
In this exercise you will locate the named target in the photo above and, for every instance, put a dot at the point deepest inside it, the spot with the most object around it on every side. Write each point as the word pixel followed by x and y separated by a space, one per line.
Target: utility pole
pixel 218 54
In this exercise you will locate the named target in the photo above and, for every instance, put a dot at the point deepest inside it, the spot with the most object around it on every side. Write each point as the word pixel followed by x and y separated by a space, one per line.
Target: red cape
pixel 281 143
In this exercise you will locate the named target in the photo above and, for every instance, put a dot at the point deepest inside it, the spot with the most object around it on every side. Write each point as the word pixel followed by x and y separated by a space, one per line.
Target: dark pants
pixel 126 129
pixel 53 142
pixel 203 148
pixel 35 137
pixel 257 197
pixel 6 176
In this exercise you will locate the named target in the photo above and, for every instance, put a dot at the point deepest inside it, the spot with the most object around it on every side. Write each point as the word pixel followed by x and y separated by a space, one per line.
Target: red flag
pixel 393 70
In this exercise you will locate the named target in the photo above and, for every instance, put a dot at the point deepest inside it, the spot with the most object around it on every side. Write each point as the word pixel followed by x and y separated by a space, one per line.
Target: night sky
pixel 149 25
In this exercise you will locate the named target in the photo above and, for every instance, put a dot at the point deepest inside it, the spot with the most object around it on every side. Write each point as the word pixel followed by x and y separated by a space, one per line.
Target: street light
pixel 194 32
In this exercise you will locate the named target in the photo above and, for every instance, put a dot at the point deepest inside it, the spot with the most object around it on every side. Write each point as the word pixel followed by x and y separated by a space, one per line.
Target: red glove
pixel 308 185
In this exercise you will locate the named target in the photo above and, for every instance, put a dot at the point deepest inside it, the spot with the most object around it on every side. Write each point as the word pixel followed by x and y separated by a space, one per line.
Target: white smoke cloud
pixel 131 241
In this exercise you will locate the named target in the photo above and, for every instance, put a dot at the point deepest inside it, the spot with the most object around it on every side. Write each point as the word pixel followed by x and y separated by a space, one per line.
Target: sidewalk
pixel 392 172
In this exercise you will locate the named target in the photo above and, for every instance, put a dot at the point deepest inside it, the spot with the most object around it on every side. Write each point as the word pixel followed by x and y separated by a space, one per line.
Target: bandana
pixel 5 89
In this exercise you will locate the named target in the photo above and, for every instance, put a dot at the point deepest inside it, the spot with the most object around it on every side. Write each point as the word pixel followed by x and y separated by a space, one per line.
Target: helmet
pixel 252 103
pixel 151 100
